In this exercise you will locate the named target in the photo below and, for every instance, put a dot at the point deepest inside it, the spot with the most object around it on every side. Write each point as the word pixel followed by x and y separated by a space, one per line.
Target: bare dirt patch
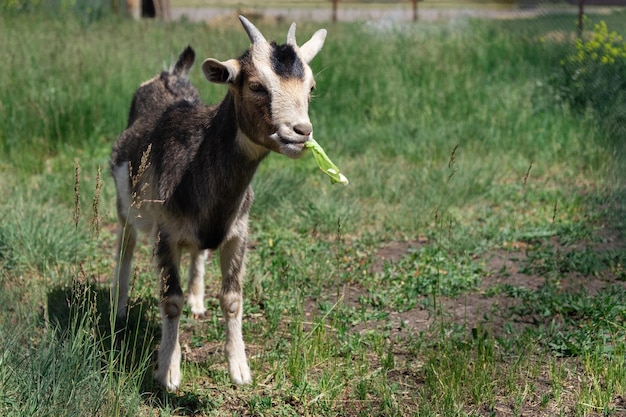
pixel 488 304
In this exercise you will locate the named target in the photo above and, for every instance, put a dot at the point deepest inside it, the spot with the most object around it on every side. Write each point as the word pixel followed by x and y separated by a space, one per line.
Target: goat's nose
pixel 303 129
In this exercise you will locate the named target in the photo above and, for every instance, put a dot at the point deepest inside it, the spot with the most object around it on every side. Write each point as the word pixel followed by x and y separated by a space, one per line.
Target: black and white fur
pixel 182 171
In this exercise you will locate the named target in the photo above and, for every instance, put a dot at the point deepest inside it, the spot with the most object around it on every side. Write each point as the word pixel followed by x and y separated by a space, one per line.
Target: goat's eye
pixel 257 87
pixel 311 92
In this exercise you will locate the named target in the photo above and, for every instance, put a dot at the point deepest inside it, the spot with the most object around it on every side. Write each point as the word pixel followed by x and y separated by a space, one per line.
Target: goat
pixel 182 172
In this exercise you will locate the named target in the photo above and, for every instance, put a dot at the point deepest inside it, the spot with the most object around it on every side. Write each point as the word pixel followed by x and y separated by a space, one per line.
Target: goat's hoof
pixel 240 374
pixel 196 305
pixel 200 316
pixel 170 380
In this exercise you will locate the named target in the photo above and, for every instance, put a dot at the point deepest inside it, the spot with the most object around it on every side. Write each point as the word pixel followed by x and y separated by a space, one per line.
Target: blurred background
pixel 356 10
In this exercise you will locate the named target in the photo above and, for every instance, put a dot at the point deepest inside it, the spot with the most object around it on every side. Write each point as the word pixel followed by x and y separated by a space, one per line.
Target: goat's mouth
pixel 292 147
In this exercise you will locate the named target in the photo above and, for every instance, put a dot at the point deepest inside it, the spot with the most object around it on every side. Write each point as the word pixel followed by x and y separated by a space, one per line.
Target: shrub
pixel 594 77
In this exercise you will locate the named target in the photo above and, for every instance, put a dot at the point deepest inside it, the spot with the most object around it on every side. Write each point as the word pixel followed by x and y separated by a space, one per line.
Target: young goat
pixel 182 172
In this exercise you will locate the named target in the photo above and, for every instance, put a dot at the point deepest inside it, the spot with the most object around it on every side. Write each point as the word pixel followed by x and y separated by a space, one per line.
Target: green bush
pixel 594 77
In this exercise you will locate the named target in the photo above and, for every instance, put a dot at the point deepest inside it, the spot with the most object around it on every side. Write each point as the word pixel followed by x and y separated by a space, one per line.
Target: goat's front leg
pixel 167 256
pixel 233 265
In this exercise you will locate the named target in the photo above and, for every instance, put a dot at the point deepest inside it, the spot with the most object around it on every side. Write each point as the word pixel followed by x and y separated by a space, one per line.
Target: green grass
pixel 457 157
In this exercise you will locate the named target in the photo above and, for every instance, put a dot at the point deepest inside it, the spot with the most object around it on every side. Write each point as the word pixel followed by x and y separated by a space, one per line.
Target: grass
pixel 473 266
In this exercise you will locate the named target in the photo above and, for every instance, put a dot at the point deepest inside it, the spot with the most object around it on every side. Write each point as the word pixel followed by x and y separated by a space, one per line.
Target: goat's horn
pixel 254 34
pixel 291 35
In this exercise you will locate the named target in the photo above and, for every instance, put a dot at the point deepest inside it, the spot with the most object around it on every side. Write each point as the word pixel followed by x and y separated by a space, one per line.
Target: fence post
pixel 581 17
pixel 414 10
pixel 335 3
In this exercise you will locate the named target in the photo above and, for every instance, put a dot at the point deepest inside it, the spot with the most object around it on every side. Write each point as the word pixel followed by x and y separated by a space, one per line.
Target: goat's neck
pixel 227 121
pixel 226 157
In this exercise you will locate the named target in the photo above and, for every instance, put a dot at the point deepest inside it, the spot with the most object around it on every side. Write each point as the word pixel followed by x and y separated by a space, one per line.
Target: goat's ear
pixel 311 47
pixel 221 72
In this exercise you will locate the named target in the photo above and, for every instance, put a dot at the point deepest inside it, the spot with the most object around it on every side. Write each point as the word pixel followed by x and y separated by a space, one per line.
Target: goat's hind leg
pixel 233 265
pixel 167 261
pixel 195 299
pixel 126 241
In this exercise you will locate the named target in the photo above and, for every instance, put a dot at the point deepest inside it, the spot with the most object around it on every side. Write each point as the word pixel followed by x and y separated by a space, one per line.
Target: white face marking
pixel 289 102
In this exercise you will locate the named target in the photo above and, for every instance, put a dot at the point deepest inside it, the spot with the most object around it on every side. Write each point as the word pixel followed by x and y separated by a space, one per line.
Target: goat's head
pixel 271 85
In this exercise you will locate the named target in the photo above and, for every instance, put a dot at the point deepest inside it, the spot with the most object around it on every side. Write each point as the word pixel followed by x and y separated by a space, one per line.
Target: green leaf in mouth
pixel 325 164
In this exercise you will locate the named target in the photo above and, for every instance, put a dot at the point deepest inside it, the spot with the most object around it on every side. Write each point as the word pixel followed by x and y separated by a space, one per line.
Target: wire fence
pixel 389 10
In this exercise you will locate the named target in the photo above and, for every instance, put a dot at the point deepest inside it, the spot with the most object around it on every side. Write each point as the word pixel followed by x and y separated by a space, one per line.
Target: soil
pixel 502 266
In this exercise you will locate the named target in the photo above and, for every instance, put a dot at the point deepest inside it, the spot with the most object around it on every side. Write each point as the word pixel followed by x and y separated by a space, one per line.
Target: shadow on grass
pixel 84 307
pixel 87 307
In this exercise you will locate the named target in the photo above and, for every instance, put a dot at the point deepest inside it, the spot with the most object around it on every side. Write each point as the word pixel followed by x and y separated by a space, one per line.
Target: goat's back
pixel 149 104
pixel 154 96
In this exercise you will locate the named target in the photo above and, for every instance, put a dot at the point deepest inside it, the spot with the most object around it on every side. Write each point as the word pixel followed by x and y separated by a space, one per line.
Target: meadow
pixel 475 265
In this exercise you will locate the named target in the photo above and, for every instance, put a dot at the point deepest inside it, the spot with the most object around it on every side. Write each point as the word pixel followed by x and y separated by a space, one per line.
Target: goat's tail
pixel 184 62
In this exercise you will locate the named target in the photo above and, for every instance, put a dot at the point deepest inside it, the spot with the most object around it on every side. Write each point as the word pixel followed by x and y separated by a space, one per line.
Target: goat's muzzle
pixel 291 141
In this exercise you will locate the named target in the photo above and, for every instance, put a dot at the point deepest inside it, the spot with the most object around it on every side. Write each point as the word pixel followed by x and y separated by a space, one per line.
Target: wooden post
pixel 581 17
pixel 134 9
pixel 414 10
pixel 335 3
pixel 166 10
